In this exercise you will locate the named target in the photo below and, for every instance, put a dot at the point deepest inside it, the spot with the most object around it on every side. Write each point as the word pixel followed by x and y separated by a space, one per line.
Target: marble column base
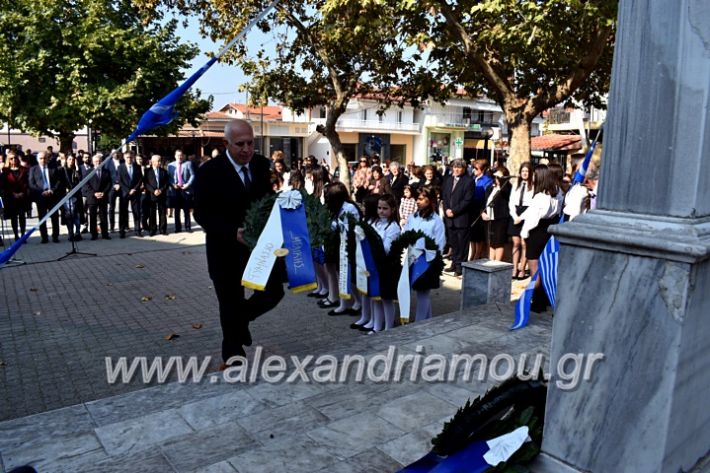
pixel 634 288
pixel 485 282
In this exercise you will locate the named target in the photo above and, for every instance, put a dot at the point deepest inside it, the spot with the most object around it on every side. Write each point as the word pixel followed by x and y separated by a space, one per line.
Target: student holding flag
pixel 543 211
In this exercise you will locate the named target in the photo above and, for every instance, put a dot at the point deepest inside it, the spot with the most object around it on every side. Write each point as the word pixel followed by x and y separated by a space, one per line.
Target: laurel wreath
pixel 317 218
pixel 501 410
pixel 409 238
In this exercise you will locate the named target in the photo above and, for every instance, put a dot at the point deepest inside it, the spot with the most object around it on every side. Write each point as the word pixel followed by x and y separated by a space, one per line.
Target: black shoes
pixel 327 304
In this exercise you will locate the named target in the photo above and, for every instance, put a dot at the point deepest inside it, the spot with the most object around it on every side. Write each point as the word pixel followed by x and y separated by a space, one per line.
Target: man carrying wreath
pixel 224 188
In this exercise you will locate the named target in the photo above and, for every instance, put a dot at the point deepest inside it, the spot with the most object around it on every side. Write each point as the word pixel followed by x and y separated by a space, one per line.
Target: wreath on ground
pixel 409 238
pixel 513 404
pixel 317 218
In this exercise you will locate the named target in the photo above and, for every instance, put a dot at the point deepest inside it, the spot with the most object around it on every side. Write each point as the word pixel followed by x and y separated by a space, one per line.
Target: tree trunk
pixel 519 132
pixel 65 141
pixel 329 131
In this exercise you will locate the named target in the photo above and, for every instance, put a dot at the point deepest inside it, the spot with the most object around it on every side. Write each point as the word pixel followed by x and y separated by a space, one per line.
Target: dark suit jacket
pixel 129 183
pixel 500 201
pixel 36 182
pixel 151 184
pixel 84 170
pixel 98 184
pixel 459 201
pixel 112 169
pixel 221 202
pixel 397 185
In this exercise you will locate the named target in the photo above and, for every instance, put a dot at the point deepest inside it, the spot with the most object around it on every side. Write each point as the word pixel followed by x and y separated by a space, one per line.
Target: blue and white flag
pixel 161 113
pixel 549 258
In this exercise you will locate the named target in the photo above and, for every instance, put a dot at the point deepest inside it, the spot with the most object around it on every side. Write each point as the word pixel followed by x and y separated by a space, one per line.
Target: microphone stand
pixel 74 248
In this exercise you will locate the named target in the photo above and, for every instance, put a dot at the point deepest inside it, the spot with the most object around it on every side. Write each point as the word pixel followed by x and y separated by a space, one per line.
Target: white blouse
pixel 388 231
pixel 515 199
pixel 433 227
pixel 542 206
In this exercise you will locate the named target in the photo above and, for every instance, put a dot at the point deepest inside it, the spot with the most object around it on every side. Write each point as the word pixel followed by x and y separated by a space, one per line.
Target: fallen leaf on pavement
pixel 33 289
pixel 146 298
pixel 197 326
pixel 2 363
pixel 108 284
pixel 170 297
pixel 172 336
pixel 140 266
pixel 38 312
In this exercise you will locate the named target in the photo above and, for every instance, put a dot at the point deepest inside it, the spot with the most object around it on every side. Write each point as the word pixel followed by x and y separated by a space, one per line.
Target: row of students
pixel 381 214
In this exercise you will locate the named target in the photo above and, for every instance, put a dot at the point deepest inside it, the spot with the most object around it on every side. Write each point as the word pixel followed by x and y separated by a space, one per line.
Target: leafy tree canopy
pixel 528 55
pixel 68 61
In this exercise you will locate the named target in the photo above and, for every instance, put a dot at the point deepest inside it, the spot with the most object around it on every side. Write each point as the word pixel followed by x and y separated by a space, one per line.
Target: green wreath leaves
pixel 317 218
pixel 409 238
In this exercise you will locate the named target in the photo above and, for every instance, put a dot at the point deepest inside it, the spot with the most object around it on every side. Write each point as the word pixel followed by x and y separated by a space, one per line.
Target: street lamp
pixel 88 137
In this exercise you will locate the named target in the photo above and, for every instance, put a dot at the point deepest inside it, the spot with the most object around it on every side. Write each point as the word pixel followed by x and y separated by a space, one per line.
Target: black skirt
pixel 478 231
pixel 498 231
pixel 514 230
pixel 537 239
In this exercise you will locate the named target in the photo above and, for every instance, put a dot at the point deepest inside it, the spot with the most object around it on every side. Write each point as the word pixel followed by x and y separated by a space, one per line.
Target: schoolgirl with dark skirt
pixel 543 211
pixel 427 220
pixel 496 214
pixel 520 199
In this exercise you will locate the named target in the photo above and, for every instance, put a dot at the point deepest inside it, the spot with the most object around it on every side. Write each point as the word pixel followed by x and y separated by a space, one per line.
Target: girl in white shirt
pixel 387 228
pixel 520 199
pixel 428 222
pixel 543 211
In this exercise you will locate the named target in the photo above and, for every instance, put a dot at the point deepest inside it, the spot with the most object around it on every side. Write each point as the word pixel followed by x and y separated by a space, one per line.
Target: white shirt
pixel 388 231
pixel 238 168
pixel 433 227
pixel 515 199
pixel 574 200
pixel 542 206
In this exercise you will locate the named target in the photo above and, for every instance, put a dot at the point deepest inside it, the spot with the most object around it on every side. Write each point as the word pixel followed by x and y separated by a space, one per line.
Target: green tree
pixel 528 55
pixel 327 53
pixel 68 61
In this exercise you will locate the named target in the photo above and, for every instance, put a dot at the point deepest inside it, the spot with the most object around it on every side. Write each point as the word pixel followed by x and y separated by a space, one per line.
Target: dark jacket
pixel 98 184
pixel 151 184
pixel 129 183
pixel 36 182
pixel 221 203
pixel 459 201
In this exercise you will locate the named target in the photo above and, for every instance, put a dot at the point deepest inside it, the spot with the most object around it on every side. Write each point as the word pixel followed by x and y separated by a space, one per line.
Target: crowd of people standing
pixel 124 184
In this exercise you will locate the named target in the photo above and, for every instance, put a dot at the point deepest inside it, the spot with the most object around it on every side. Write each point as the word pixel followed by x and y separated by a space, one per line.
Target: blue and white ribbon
pixel 344 263
pixel 367 279
pixel 417 261
pixel 285 234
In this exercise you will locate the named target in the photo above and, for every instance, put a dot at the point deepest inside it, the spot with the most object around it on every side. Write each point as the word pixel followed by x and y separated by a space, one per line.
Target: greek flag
pixel 549 259
pixel 161 113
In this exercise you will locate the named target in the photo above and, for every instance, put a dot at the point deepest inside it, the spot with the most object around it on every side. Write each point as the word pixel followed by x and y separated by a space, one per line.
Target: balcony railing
pixel 375 125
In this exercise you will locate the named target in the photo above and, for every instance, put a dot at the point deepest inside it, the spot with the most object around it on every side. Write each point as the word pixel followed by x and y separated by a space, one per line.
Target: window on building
pixel 467 114
pixel 322 112
pixel 400 116
pixel 364 114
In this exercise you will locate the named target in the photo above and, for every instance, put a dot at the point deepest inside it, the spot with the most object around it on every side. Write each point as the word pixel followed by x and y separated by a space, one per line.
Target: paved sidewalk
pixel 262 427
pixel 59 320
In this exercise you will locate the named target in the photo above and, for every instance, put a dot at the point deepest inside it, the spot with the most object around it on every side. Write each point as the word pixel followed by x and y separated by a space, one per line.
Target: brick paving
pixel 59 320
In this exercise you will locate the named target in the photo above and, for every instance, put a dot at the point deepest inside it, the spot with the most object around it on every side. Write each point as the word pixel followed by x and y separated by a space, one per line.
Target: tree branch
pixel 576 78
pixel 496 81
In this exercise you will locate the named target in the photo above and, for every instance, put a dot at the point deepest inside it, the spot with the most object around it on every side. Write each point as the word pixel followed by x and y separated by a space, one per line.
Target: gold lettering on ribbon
pixel 262 259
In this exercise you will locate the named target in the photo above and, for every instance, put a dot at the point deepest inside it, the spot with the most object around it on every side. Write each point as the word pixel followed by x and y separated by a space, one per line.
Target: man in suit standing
pixel 85 168
pixel 97 192
pixel 457 196
pixel 144 198
pixel 397 180
pixel 156 183
pixel 47 187
pixel 115 193
pixel 180 191
pixel 131 181
pixel 224 189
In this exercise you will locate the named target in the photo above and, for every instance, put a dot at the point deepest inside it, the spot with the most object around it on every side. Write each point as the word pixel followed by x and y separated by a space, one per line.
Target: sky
pixel 221 81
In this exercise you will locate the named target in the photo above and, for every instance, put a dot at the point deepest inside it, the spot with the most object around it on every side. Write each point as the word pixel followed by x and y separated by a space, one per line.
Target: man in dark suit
pixel 130 179
pixel 180 191
pixel 85 168
pixel 47 188
pixel 156 183
pixel 397 181
pixel 97 191
pixel 114 194
pixel 144 198
pixel 224 189
pixel 457 195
